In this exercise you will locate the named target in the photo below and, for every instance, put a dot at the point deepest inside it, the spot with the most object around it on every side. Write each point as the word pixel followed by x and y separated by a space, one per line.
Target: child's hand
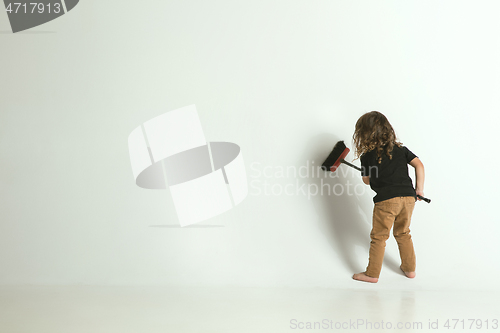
pixel 421 193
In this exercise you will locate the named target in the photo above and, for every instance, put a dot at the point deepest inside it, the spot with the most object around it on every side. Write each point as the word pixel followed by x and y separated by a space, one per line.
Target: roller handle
pixel 349 164
pixel 425 199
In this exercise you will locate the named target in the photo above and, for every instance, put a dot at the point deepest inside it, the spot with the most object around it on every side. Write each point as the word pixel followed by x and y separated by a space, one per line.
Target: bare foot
pixel 365 278
pixel 410 275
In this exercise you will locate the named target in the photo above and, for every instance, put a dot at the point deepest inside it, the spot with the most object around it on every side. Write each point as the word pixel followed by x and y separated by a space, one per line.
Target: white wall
pixel 283 79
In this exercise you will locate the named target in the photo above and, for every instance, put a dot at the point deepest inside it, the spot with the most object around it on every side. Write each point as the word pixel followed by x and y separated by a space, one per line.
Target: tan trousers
pixel 395 211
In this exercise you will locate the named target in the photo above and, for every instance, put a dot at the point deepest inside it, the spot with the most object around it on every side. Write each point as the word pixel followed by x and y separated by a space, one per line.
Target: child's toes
pixel 365 278
pixel 410 275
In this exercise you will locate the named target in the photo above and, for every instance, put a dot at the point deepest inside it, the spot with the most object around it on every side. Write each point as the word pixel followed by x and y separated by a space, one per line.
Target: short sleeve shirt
pixel 390 178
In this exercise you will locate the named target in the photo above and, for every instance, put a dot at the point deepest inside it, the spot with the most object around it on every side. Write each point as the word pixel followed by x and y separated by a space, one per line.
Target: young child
pixel 384 163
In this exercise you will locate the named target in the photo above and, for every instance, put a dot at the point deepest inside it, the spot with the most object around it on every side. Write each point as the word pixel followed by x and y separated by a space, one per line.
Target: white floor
pixel 363 308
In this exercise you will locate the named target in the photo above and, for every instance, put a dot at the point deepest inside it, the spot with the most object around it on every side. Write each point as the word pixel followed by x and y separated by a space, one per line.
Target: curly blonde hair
pixel 373 131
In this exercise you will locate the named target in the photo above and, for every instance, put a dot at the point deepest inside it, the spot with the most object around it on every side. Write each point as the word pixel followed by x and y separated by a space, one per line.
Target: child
pixel 384 163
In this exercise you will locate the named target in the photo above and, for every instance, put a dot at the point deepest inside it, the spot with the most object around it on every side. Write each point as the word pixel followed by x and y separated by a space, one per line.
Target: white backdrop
pixel 284 80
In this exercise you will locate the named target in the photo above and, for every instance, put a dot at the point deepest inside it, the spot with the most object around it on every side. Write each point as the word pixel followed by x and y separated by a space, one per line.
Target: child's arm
pixel 366 180
pixel 419 175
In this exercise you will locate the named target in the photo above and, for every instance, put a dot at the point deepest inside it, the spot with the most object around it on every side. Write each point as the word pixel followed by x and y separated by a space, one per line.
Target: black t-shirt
pixel 390 178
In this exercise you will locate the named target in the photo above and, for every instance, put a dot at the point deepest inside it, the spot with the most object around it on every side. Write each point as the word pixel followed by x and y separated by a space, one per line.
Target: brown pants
pixel 395 211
